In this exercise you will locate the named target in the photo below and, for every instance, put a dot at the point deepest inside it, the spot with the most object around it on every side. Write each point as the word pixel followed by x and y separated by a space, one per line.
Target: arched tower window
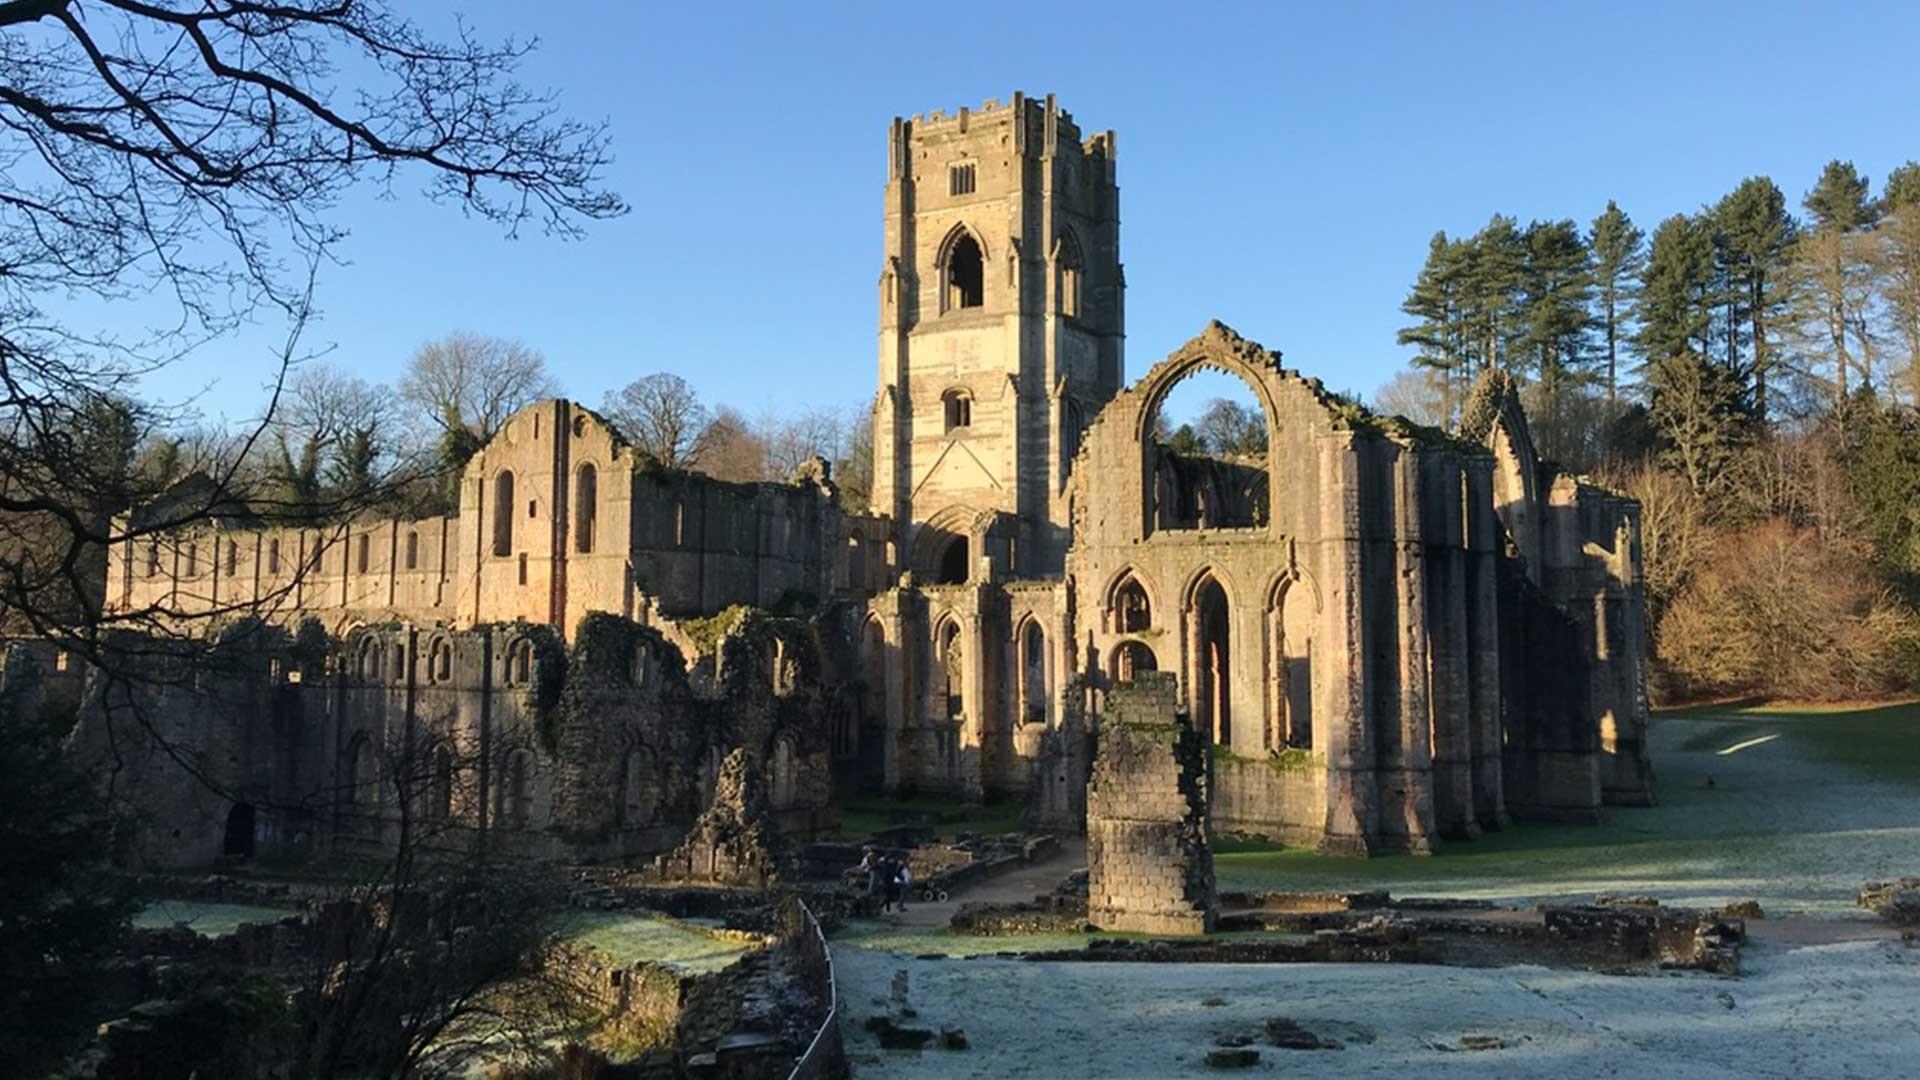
pixel 503 514
pixel 958 405
pixel 1072 271
pixel 586 505
pixel 965 274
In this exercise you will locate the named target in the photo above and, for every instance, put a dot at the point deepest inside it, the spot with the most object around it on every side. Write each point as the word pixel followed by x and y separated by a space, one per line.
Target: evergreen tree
pixel 1899 266
pixel 1831 272
pixel 1556 289
pixel 1673 309
pixel 351 474
pixel 1753 233
pixel 1619 255
pixel 1841 200
pixel 1703 415
pixel 1435 301
pixel 1492 273
pixel 295 479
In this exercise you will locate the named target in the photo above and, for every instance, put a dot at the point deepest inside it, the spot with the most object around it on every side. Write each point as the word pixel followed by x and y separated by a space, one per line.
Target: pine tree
pixel 1556 289
pixel 1435 300
pixel 1831 271
pixel 1492 273
pixel 1674 306
pixel 1619 256
pixel 1899 266
pixel 1753 233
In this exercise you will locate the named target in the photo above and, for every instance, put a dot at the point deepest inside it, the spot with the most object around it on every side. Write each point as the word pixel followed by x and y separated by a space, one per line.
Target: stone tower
pixel 1001 315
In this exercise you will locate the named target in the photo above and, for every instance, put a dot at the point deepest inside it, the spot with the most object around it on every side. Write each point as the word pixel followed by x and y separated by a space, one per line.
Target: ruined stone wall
pixel 559 518
pixel 1149 836
pixel 702 545
pixel 498 735
pixel 345 573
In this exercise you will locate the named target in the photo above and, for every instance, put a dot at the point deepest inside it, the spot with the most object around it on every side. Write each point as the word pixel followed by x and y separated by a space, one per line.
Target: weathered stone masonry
pixel 1149 833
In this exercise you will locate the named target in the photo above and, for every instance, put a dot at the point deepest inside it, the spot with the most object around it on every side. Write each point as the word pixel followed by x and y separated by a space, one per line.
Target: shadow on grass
pixel 946 816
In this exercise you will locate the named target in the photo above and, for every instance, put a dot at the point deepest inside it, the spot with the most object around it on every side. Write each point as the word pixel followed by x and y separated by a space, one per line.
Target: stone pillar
pixel 1149 835
pixel 1453 809
pixel 1483 646
pixel 1340 666
pixel 1407 810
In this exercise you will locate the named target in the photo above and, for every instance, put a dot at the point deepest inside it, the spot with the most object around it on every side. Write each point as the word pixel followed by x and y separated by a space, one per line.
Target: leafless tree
pixel 192 153
pixel 662 416
pixel 1419 394
pixel 1231 429
pixel 195 152
pixel 793 438
pixel 473 383
pixel 731 449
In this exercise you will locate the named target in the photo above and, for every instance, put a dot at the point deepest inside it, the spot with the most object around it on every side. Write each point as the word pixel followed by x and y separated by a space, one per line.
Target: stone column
pixel 1483 646
pixel 1454 813
pixel 1411 776
pixel 1149 835
pixel 1340 668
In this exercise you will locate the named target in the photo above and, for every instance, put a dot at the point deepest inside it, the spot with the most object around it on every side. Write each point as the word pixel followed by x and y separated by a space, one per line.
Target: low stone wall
pixel 1048 914
pixel 1282 798
pixel 1896 901
pixel 1149 837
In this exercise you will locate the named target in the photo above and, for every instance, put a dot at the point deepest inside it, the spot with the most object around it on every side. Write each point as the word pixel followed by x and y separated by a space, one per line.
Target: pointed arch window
pixel 965 273
pixel 1072 272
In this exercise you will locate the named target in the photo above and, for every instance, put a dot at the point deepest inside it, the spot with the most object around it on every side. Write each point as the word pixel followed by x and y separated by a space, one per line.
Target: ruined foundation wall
pixel 1149 834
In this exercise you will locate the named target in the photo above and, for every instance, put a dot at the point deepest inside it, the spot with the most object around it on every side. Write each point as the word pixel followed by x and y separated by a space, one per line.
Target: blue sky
pixel 1281 168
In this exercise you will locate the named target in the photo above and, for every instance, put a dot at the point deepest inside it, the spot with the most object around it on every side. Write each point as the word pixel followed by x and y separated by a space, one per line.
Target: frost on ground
pixel 631 938
pixel 207 919
pixel 1797 822
pixel 1835 1010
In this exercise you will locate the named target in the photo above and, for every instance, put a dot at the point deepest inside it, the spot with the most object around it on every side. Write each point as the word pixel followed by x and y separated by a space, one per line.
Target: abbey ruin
pixel 1392 636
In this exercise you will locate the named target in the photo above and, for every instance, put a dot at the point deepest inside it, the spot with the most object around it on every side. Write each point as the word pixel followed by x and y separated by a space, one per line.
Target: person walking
pixel 906 883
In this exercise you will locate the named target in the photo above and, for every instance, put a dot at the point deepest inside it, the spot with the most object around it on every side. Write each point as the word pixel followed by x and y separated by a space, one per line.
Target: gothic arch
pixel 1288 626
pixel 962 282
pixel 1199 578
pixel 1110 599
pixel 933 543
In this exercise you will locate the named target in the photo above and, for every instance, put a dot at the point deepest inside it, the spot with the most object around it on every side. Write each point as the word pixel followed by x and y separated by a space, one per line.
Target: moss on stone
pixel 708 632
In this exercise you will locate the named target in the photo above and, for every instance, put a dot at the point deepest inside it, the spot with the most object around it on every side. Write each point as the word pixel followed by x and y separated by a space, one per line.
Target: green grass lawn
pixel 947 816
pixel 1830 800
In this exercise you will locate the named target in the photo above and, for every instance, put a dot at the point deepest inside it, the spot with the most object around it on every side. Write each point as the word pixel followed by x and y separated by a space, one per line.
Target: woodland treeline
pixel 1750 373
